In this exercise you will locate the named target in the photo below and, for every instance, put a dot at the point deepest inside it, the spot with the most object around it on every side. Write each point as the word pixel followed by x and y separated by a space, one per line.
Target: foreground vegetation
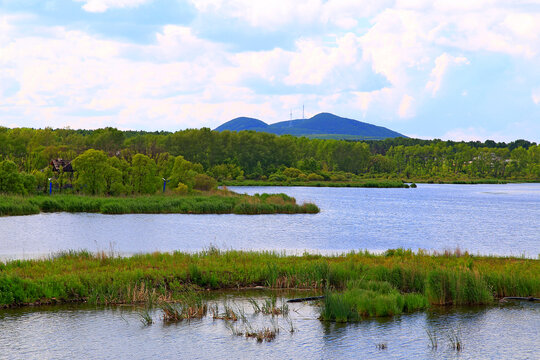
pixel 215 202
pixel 355 284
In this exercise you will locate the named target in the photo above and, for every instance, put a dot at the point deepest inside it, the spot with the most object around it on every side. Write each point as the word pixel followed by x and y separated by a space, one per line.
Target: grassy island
pixel 213 202
pixel 355 284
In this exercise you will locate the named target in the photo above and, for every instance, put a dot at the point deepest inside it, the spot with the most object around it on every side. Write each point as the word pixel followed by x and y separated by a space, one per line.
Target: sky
pixel 455 69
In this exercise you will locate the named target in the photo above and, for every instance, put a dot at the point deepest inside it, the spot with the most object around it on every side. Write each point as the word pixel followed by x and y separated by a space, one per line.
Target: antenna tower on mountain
pixel 303 117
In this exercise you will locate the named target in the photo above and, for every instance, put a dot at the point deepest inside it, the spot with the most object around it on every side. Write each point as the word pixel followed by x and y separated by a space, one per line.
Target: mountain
pixel 322 126
pixel 243 123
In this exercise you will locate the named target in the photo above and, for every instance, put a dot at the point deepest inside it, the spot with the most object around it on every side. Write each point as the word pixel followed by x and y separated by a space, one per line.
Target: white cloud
pixel 535 95
pixel 406 109
pixel 278 13
pixel 441 67
pixel 99 6
pixel 313 62
pixel 71 72
pixel 263 14
pixel 475 134
pixel 181 79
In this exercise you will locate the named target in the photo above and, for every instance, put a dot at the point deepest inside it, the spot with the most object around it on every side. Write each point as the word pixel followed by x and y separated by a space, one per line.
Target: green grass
pixel 218 202
pixel 12 205
pixel 356 284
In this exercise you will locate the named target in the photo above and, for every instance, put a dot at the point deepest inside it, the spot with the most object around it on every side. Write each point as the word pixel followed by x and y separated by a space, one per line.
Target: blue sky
pixel 456 69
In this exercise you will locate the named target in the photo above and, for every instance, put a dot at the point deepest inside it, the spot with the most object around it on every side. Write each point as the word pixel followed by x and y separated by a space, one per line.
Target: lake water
pixel 81 332
pixel 485 219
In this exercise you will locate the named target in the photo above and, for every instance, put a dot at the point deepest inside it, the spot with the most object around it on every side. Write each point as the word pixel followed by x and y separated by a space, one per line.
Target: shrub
pixel 204 182
pixel 338 177
pixel 277 177
pixel 315 177
pixel 181 189
pixel 292 172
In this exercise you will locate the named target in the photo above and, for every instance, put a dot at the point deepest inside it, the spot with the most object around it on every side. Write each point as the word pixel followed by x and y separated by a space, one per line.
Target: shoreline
pixel 373 183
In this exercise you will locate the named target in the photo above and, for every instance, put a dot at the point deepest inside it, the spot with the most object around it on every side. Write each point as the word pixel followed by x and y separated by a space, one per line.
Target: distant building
pixel 58 164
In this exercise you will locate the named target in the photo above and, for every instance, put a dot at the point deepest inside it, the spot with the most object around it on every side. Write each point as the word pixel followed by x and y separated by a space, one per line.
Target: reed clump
pixel 265 334
pixel 270 307
pixel 188 308
pixel 369 299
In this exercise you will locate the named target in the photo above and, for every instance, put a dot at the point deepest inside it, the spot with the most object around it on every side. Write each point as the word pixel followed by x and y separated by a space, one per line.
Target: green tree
pixel 184 171
pixel 90 167
pixel 144 177
pixel 10 181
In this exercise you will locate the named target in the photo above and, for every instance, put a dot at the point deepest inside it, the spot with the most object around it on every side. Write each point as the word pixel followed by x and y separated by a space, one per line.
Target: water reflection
pixel 52 332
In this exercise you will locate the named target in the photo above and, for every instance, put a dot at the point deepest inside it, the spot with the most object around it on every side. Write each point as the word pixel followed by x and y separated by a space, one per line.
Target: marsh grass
pixel 145 316
pixel 216 202
pixel 357 284
pixel 265 334
pixel 369 298
pixel 231 312
pixel 190 307
pixel 16 205
pixel 270 307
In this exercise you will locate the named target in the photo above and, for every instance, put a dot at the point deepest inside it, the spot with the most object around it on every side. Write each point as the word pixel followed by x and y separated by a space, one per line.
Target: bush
pixel 338 177
pixel 292 172
pixel 181 189
pixel 277 177
pixel 204 182
pixel 315 177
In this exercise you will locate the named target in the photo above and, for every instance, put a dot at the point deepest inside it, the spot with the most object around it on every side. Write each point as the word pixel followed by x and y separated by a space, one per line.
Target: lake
pixel 85 332
pixel 483 219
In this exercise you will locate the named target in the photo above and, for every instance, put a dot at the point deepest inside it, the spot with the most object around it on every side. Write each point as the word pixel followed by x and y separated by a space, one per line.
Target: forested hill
pixel 323 125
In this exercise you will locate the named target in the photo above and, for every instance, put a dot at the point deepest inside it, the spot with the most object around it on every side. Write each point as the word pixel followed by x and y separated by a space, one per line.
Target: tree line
pixel 110 161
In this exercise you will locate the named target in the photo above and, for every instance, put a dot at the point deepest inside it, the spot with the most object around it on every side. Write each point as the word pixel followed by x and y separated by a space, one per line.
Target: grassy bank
pixel 216 202
pixel 359 184
pixel 356 284
pixel 372 183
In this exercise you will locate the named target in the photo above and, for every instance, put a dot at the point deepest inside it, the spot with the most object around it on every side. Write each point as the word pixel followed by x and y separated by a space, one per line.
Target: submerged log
pixel 311 298
pixel 526 298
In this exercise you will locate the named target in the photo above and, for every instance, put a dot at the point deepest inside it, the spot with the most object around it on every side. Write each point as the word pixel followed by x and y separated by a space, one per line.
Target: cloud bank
pixel 418 67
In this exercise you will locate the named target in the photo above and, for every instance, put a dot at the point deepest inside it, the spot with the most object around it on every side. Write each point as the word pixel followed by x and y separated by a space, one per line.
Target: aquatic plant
pixel 433 339
pixel 455 339
pixel 146 317
pixel 265 334
pixel 270 307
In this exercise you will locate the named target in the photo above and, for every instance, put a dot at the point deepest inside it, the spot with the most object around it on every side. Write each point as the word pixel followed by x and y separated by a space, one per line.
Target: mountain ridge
pixel 322 125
